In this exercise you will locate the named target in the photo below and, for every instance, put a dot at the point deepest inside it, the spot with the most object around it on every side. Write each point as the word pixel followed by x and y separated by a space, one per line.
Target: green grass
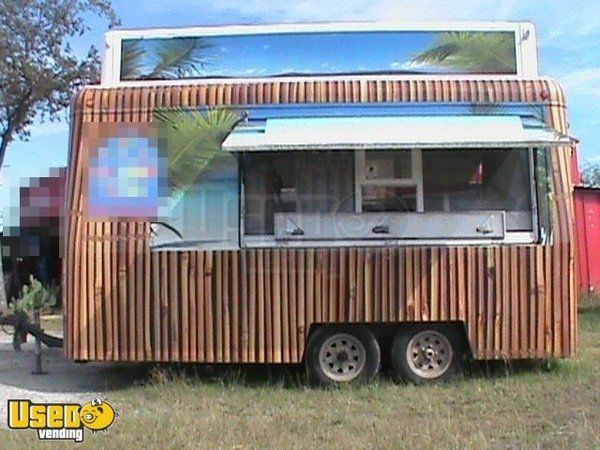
pixel 52 324
pixel 555 405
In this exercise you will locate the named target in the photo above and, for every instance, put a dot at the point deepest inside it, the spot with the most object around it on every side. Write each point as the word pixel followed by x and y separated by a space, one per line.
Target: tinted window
pixel 300 182
pixel 476 180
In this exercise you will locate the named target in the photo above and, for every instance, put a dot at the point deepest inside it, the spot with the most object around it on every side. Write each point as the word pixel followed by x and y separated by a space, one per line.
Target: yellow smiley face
pixel 97 415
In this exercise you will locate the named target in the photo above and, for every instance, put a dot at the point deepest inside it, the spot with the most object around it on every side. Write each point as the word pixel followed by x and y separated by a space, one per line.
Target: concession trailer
pixel 332 194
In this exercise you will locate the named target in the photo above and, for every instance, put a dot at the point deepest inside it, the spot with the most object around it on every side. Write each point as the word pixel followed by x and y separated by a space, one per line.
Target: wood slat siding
pixel 125 303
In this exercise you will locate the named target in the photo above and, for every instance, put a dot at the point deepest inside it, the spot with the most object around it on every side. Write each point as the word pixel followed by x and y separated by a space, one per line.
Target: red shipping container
pixel 587 220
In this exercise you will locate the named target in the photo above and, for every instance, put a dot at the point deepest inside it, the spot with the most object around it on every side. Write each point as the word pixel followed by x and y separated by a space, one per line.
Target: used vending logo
pixel 61 421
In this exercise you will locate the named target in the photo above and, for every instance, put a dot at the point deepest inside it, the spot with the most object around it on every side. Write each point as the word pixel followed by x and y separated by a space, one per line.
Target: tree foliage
pixel 171 58
pixel 34 297
pixel 39 70
pixel 194 141
pixel 480 52
pixel 590 173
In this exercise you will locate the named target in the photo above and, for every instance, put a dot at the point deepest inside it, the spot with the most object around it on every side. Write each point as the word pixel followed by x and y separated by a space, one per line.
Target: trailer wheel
pixel 426 356
pixel 341 355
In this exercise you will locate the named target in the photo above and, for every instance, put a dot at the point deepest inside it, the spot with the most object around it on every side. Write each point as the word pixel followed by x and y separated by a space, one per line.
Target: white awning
pixel 397 132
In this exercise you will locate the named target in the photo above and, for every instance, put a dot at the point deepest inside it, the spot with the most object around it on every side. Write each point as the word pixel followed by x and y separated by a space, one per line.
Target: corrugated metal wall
pixel 587 218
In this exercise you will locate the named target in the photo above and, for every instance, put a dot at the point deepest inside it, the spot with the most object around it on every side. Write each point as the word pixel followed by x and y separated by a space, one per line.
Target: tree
pixel 39 70
pixel 590 173
pixel 472 51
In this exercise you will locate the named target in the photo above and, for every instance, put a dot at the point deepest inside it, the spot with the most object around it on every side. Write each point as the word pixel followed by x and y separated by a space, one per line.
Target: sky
pixel 568 45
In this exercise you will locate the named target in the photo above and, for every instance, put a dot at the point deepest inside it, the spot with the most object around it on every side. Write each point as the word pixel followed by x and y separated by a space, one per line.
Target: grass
pixel 52 323
pixel 555 405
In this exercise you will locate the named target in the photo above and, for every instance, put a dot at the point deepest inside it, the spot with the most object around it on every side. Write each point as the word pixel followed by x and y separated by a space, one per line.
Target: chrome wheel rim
pixel 342 357
pixel 429 354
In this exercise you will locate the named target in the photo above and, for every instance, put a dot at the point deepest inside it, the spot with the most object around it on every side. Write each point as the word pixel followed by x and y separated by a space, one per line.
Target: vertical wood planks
pixel 126 302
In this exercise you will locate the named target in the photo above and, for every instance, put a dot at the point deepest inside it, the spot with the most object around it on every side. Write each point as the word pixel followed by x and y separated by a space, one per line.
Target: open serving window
pixel 355 180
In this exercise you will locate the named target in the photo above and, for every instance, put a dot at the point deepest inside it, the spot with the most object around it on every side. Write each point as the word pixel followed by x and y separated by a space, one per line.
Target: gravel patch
pixel 65 381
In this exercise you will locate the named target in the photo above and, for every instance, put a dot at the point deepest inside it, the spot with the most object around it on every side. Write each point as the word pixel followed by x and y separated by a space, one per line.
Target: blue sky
pixel 568 42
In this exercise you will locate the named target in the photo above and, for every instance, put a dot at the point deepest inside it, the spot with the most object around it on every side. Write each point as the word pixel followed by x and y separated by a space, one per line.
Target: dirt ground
pixel 64 381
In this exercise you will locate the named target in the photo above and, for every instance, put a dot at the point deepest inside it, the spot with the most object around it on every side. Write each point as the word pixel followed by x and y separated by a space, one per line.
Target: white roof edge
pixel 235 29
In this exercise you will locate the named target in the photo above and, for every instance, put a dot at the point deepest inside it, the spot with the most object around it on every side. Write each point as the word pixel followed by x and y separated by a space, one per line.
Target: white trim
pixel 108 58
pixel 511 238
pixel 360 165
pixel 417 173
pixel 560 141
pixel 526 49
pixel 232 30
pixel 526 45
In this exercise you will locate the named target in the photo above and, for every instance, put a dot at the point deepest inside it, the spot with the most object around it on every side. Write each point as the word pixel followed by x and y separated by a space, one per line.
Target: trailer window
pixel 295 182
pixel 478 180
pixel 332 197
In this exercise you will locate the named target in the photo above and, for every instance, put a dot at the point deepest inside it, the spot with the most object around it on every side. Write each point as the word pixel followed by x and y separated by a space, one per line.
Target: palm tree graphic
pixel 194 141
pixel 168 59
pixel 468 51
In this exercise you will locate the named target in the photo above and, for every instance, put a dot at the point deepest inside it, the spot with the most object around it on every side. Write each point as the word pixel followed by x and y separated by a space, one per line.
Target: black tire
pixel 429 361
pixel 357 360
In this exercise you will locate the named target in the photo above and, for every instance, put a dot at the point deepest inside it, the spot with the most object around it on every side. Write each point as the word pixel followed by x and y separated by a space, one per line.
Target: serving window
pixel 480 180
pixel 295 182
pixel 214 180
pixel 344 197
pixel 388 181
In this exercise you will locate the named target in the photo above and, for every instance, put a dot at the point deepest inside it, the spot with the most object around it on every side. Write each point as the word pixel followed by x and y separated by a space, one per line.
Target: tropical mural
pixel 319 53
pixel 165 59
pixel 172 173
pixel 202 180
pixel 472 52
pixel 192 140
